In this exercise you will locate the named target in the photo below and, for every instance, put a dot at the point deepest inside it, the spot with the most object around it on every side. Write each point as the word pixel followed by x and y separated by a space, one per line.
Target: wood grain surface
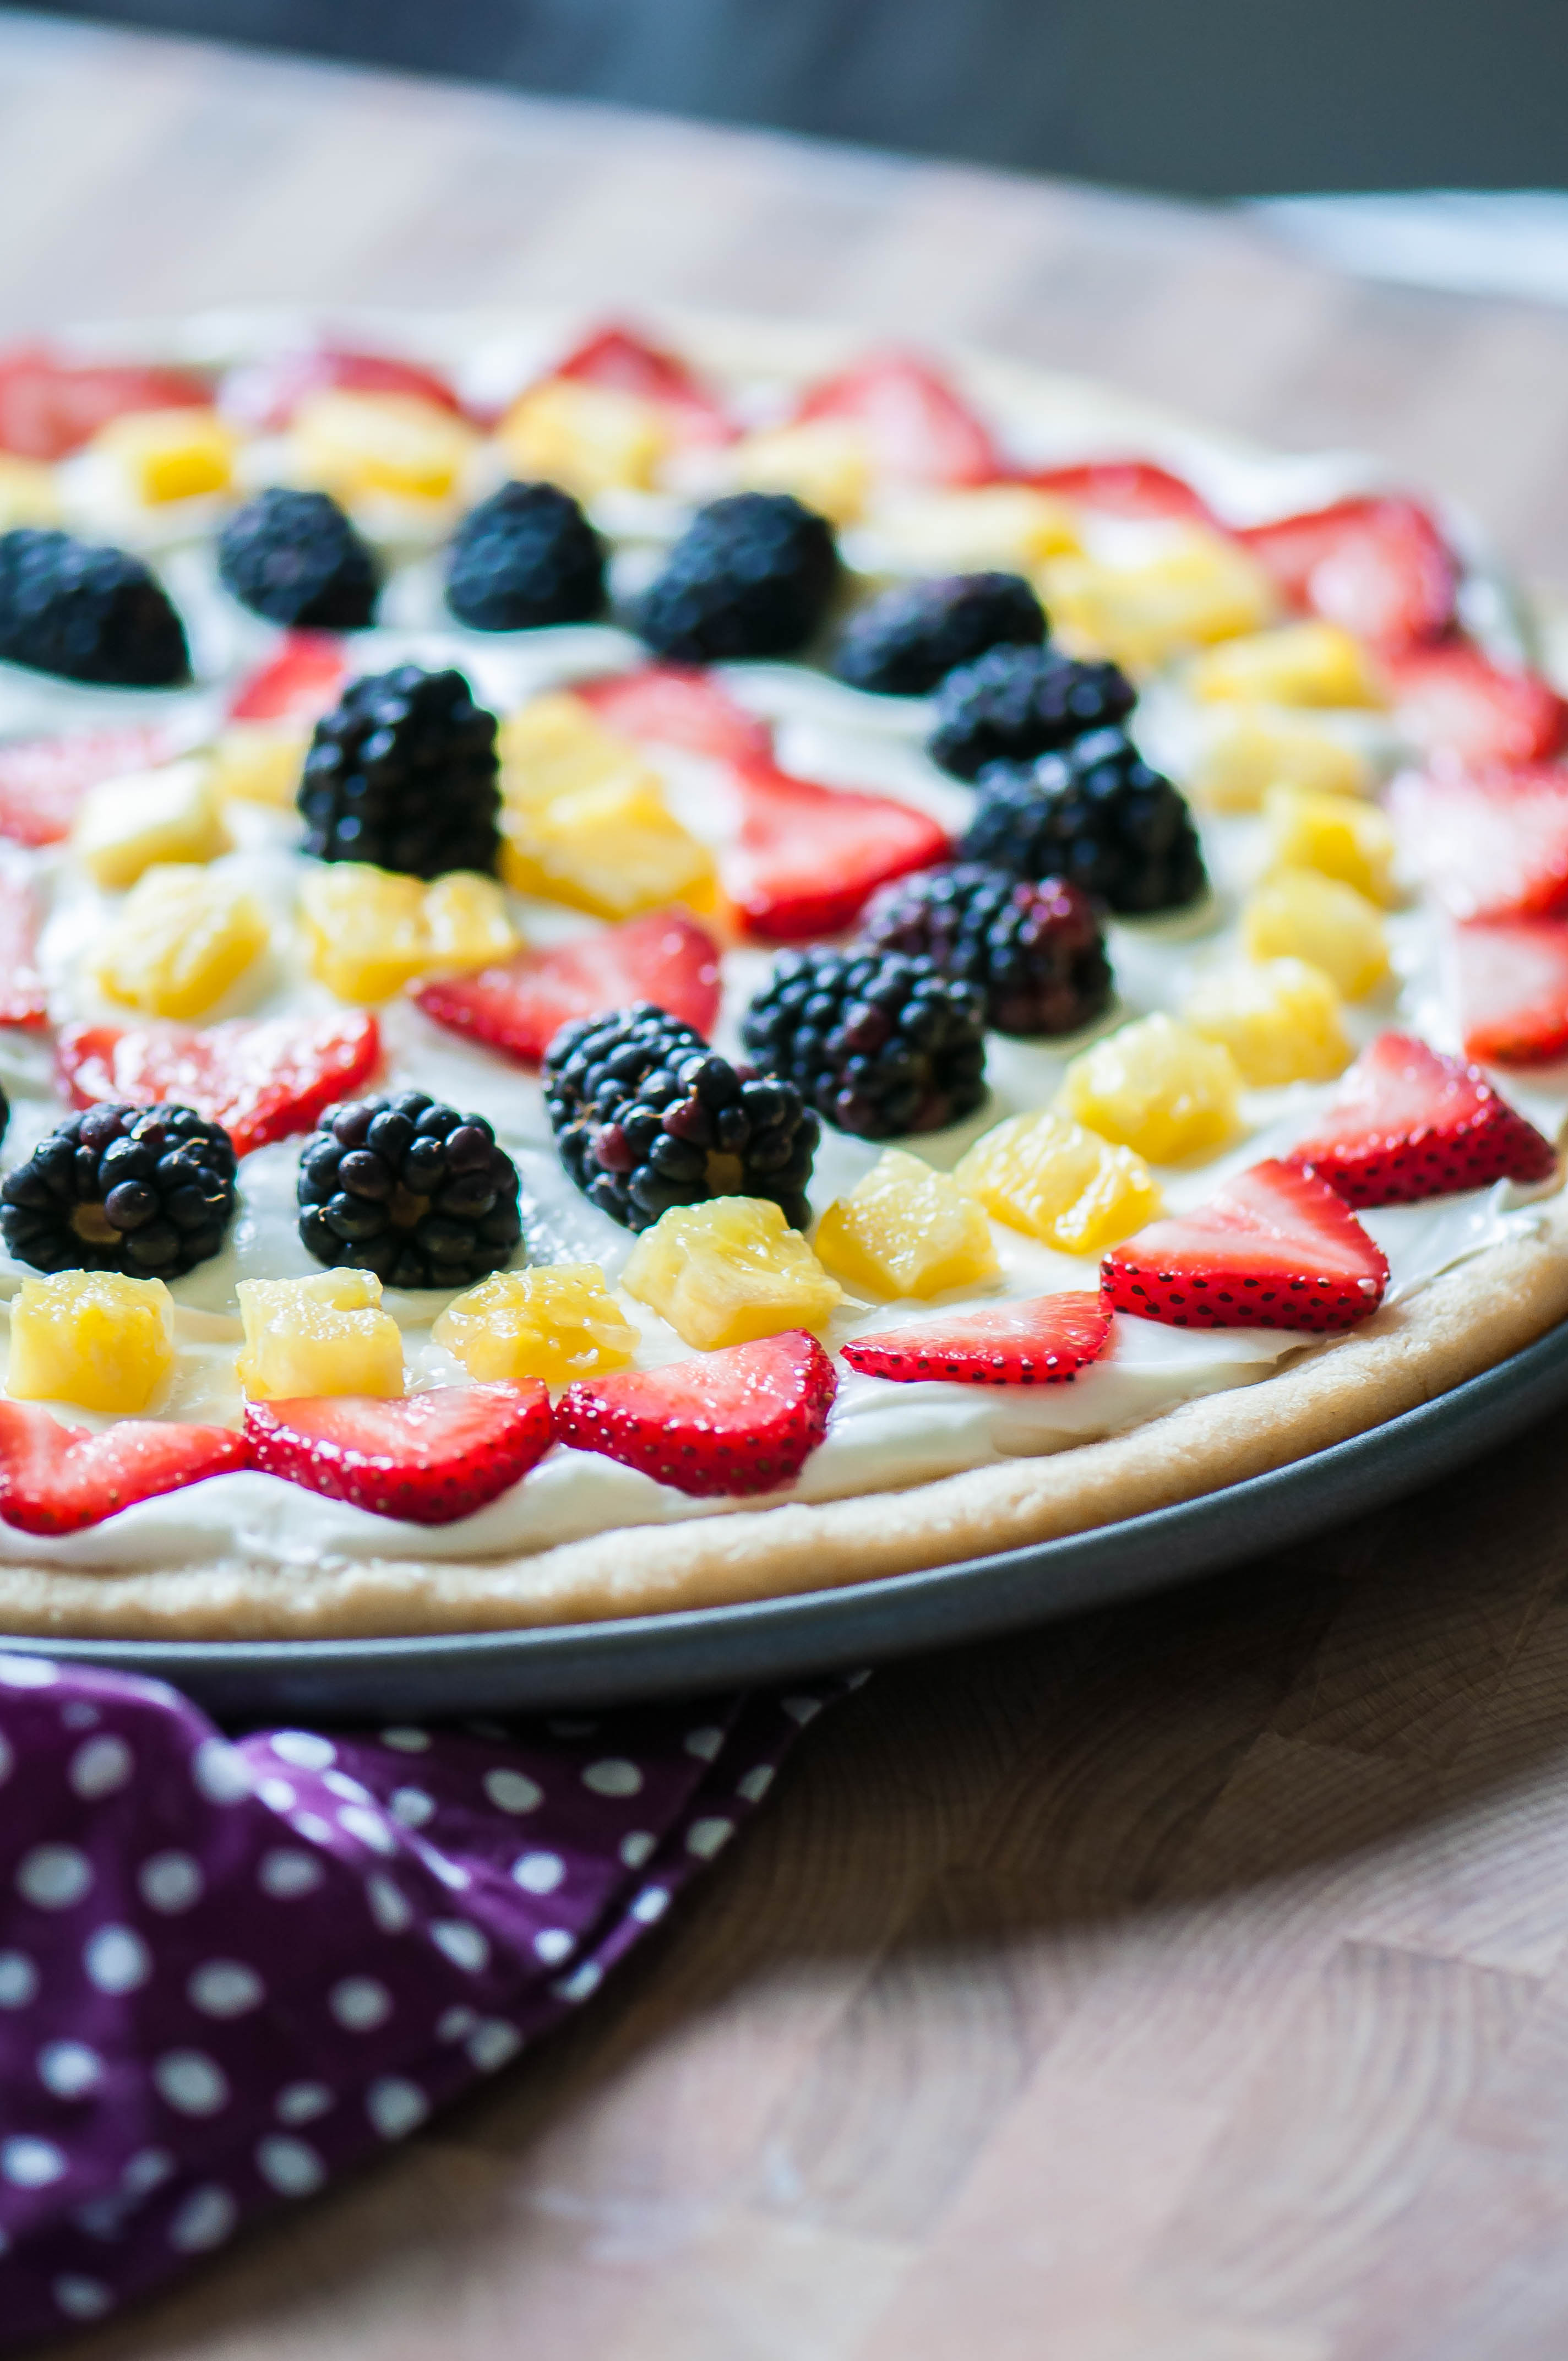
pixel 1188 1982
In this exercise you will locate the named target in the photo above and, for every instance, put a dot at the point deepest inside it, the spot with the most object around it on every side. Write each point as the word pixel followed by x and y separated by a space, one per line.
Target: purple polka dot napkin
pixel 231 1969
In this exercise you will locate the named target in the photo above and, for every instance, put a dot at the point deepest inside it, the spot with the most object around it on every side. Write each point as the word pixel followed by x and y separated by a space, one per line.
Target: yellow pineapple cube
pixel 824 462
pixel 1158 1087
pixel 1298 914
pixel 27 492
pixel 1254 748
pixel 92 1337
pixel 327 1334
pixel 1048 1177
pixel 1201 590
pixel 557 1323
pixel 259 762
pixel 586 438
pixel 124 826
pixel 728 1272
pixel 358 443
pixel 1338 835
pixel 907 1229
pixel 364 929
pixel 1300 664
pixel 555 744
pixel 1281 1019
pixel 170 455
pixel 610 850
pixel 179 939
pixel 466 922
pixel 1007 525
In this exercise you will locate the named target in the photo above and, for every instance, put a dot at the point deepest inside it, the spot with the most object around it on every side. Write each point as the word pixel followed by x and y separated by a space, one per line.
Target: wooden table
pixel 1186 1983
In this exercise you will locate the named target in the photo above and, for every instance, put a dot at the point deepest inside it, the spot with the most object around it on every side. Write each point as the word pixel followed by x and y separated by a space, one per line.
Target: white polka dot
pixel 613 1776
pixel 292 2165
pixel 304 1749
pixel 464 1945
pixel 353 1791
pixel 513 1791
pixel 276 1794
pixel 451 1872
pixel 651 1903
pixel 100 1766
pixel 858 1680
pixel 76 1713
pixel 146 2171
pixel 225 1988
pixel 803 1708
pixel 70 2069
pixel 18 1980
pixel 396 2107
pixel 539 1872
pixel 53 1876
pixel 360 2004
pixel 704 1743
pixel 406 1740
pixel 492 2044
pixel 116 1960
pixel 368 1827
pixel 704 1838
pixel 756 1783
pixel 190 2082
pixel 389 1906
pixel 554 1944
pixel 456 2023
pixel 27 1672
pixel 79 2297
pixel 170 1882
pixel 580 1982
pixel 302 2103
pixel 637 1848
pixel 7 1759
pixel 29 2163
pixel 206 2218
pixel 221 1772
pixel 313 1828
pixel 413 1806
pixel 286 1875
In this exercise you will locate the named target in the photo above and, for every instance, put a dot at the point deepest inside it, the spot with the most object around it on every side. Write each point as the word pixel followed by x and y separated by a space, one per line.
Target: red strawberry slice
pixel 807 858
pixel 918 428
pixel 49 408
pixel 1274 1247
pixel 666 705
pixel 664 957
pixel 43 780
pixel 1407 1123
pixel 301 683
pixel 1379 567
pixel 1125 488
pixel 57 1480
pixel 1511 985
pixel 264 395
pixel 23 999
pixel 1043 1342
pixel 1450 702
pixel 741 1420
pixel 622 360
pixel 1490 847
pixel 428 1458
pixel 262 1078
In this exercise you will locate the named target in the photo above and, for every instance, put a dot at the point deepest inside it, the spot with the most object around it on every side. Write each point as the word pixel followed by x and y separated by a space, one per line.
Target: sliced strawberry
pixel 301 683
pixel 620 359
pixel 428 1458
pixel 1125 488
pixel 1511 984
pixel 1043 1342
pixel 1379 566
pixel 23 999
pixel 1495 846
pixel 42 780
pixel 740 1420
pixel 1274 1247
pixel 664 957
pixel 918 428
pixel 262 1078
pixel 49 408
pixel 56 1479
pixel 264 395
pixel 666 705
pixel 1450 702
pixel 807 858
pixel 1407 1123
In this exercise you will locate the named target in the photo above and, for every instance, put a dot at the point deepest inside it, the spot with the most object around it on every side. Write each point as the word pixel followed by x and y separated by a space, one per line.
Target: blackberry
pixel 295 558
pixel 646 1116
pixel 1097 816
pixel 409 1189
pixel 879 1043
pixel 146 1190
pixel 751 576
pixel 1015 703
pixel 1035 949
pixel 526 556
pixel 903 644
pixel 88 614
pixel 403 773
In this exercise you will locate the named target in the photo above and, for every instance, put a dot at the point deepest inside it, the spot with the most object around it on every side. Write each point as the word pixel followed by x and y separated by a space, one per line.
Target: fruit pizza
pixel 638 972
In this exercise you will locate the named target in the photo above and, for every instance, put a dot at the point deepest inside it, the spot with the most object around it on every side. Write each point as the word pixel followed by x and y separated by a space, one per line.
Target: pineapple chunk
pixel 557 1323
pixel 1280 1020
pixel 1048 1177
pixel 28 494
pixel 1201 590
pixel 588 438
pixel 1337 834
pixel 370 931
pixel 261 762
pixel 1254 749
pixel 1157 1087
pixel 994 525
pixel 1297 914
pixel 466 921
pixel 825 463
pixel 92 1337
pixel 610 850
pixel 327 1334
pixel 728 1272
pixel 179 939
pixel 906 1230
pixel 1300 664
pixel 124 826
pixel 355 444
pixel 170 455
pixel 555 744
